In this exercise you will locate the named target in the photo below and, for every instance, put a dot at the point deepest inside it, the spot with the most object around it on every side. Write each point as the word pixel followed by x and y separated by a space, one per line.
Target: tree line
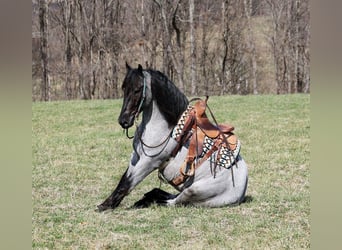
pixel 79 47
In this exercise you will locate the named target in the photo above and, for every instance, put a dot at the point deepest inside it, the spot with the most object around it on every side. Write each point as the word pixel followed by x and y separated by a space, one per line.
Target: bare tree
pixel 204 50
pixel 173 49
pixel 86 34
pixel 278 41
pixel 65 18
pixel 302 20
pixel 251 46
pixel 114 44
pixel 44 49
pixel 79 47
pixel 192 48
pixel 289 41
pixel 143 43
pixel 234 65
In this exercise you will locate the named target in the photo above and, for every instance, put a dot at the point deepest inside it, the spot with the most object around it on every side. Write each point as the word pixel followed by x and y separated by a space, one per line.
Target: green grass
pixel 80 152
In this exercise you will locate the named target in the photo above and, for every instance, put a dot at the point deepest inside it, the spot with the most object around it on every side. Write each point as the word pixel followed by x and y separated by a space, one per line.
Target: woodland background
pixel 206 47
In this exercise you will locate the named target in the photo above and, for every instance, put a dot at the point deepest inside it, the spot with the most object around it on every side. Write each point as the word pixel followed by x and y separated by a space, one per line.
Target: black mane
pixel 171 101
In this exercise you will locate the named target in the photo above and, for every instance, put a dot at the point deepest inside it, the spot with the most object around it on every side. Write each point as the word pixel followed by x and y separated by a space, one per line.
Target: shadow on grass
pixel 248 199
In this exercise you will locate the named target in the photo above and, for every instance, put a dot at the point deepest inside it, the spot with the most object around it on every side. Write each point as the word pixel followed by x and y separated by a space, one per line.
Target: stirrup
pixel 187 169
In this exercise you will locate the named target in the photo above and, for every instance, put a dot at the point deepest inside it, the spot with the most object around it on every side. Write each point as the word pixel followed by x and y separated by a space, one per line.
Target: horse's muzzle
pixel 126 121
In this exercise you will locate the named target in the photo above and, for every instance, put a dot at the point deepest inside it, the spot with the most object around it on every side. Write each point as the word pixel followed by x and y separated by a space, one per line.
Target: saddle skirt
pixel 227 156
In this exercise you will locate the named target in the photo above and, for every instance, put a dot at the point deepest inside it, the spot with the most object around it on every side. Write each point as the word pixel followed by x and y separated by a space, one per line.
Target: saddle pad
pixel 180 125
pixel 227 156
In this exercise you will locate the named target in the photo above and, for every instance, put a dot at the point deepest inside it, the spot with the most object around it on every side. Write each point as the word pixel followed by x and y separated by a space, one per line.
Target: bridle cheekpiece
pixel 142 98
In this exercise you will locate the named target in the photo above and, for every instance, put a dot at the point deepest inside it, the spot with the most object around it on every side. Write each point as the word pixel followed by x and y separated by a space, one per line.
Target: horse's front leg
pixel 118 194
pixel 134 174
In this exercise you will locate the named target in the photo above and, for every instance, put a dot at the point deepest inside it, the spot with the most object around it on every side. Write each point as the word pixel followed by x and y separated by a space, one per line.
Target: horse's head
pixel 135 95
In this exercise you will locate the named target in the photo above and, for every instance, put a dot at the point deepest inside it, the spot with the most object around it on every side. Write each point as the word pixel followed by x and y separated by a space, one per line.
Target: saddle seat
pixel 211 130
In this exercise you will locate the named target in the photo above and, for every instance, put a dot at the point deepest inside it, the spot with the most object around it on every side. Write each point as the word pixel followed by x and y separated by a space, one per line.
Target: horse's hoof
pixel 102 208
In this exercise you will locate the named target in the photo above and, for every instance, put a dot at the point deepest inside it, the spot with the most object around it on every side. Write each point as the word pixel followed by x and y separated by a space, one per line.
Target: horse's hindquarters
pixel 226 187
pixel 236 190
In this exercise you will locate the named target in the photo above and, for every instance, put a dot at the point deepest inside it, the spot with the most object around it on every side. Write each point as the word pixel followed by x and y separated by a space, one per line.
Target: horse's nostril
pixel 126 120
pixel 124 124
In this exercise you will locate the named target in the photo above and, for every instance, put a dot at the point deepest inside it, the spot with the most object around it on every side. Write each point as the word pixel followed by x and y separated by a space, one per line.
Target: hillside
pixel 79 51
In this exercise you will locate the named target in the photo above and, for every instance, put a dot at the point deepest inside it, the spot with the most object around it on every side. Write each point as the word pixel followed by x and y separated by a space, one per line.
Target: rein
pixel 156 146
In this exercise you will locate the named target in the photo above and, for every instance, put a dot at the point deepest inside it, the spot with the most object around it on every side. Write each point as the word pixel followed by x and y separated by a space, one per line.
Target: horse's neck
pixel 154 125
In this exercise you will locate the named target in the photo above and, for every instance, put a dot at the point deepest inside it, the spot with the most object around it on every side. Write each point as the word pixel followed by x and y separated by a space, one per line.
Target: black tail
pixel 156 195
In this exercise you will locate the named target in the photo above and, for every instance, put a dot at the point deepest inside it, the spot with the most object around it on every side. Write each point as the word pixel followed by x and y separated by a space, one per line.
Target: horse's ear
pixel 140 68
pixel 128 67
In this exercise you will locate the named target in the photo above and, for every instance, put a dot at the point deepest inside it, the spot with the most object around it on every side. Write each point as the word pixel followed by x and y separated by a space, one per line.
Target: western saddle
pixel 196 128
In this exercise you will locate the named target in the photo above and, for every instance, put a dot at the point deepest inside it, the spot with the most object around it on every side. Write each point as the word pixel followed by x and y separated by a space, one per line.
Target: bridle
pixel 142 100
pixel 136 118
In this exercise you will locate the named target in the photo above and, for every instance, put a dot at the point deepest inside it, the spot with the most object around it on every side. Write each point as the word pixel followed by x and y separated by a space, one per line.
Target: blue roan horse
pixel 151 93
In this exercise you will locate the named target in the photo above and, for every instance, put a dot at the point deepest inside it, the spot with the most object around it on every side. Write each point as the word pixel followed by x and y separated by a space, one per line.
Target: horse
pixel 162 104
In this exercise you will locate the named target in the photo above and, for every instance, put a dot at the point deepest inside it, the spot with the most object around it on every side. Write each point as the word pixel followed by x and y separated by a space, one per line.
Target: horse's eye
pixel 136 91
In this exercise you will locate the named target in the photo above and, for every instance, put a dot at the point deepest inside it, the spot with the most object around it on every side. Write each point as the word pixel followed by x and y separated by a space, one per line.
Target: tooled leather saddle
pixel 197 127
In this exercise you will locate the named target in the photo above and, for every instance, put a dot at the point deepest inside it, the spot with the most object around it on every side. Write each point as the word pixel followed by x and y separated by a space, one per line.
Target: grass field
pixel 80 152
